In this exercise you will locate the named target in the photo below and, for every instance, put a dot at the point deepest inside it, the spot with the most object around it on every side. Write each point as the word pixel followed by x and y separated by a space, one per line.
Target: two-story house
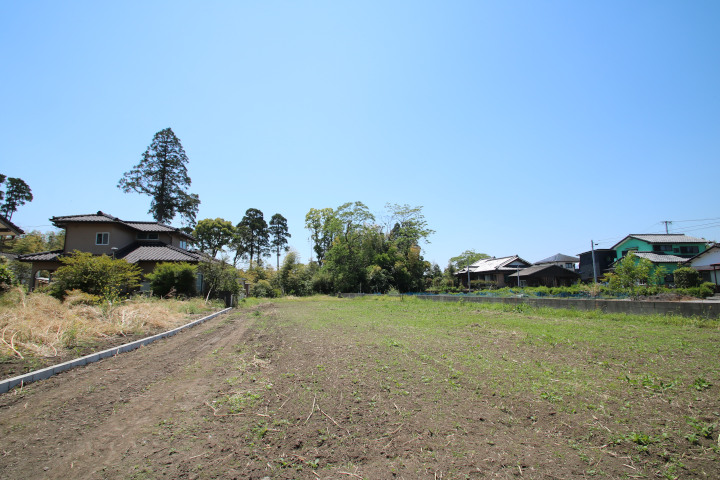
pixel 143 243
pixel 666 250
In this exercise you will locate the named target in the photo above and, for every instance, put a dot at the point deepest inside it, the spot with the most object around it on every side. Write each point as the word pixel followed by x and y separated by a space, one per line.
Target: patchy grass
pixel 638 388
pixel 37 329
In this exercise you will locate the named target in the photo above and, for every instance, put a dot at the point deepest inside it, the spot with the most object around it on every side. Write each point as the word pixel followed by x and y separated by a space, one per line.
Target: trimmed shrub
pixel 686 277
pixel 171 276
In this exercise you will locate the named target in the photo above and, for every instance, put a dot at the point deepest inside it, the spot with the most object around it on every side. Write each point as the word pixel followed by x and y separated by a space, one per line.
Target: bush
pixel 262 288
pixel 686 277
pixel 102 276
pixel 705 290
pixel 7 279
pixel 169 276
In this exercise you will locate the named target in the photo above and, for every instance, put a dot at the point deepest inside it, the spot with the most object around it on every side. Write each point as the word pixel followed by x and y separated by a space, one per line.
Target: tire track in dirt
pixel 80 422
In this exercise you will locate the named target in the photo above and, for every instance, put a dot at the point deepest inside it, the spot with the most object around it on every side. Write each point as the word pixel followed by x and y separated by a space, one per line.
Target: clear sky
pixel 521 127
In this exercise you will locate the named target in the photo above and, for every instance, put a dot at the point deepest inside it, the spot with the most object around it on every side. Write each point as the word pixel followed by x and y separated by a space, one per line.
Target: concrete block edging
pixel 48 372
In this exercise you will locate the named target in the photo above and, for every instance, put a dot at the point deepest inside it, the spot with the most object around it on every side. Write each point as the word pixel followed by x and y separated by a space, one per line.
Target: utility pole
pixel 666 222
pixel 592 247
pixel 468 267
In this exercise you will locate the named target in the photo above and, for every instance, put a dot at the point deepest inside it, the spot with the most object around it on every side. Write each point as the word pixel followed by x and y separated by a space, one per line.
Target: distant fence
pixel 685 309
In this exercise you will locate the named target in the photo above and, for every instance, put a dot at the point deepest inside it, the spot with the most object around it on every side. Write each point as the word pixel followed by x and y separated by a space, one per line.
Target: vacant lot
pixel 383 388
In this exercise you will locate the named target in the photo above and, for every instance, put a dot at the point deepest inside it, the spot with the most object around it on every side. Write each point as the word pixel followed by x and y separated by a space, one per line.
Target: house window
pixel 687 250
pixel 102 238
pixel 662 248
pixel 148 236
pixel 183 244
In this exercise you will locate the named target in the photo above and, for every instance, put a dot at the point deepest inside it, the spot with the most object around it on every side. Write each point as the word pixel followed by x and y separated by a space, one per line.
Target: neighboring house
pixel 493 270
pixel 661 244
pixel 669 262
pixel 142 243
pixel 545 275
pixel 666 250
pixel 564 261
pixel 708 264
pixel 9 229
pixel 604 258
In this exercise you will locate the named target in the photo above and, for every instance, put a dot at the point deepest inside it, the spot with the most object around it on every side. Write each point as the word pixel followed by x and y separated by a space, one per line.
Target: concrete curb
pixel 48 372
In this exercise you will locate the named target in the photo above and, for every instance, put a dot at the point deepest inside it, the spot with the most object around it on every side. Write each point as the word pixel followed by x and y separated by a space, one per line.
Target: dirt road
pixel 86 423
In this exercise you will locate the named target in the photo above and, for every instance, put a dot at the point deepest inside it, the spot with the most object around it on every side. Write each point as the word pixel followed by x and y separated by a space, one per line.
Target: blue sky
pixel 521 127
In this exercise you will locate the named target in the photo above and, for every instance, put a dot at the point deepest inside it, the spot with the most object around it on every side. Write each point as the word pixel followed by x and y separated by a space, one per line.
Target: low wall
pixel 685 309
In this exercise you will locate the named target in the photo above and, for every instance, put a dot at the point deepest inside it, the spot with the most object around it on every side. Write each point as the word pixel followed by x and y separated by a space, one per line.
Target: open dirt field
pixel 266 393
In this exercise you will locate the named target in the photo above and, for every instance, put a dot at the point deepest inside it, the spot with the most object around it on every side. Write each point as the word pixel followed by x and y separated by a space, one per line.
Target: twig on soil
pixel 351 474
pixel 215 410
pixel 313 409
pixel 156 451
pixel 336 423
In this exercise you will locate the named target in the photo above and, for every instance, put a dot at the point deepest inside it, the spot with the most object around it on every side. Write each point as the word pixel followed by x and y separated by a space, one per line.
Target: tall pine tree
pixel 162 175
pixel 278 235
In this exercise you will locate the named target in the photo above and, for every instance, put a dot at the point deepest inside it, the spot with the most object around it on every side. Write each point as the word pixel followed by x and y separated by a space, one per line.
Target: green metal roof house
pixel 666 250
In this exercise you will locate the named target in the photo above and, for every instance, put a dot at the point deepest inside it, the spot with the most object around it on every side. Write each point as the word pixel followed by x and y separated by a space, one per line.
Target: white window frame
pixel 102 236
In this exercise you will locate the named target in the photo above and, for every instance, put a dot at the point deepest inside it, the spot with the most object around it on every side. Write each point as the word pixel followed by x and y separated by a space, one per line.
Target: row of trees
pixel 251 239
pixel 357 252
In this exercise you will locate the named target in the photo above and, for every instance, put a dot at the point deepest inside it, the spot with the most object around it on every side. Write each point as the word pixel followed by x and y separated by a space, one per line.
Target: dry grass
pixel 42 326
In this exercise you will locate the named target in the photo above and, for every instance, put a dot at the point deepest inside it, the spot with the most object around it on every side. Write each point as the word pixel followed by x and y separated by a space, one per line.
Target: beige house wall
pixel 82 237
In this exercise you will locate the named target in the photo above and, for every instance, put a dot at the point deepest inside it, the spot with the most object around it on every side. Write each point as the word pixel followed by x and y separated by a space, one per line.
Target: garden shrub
pixel 686 277
pixel 262 288
pixel 102 276
pixel 169 276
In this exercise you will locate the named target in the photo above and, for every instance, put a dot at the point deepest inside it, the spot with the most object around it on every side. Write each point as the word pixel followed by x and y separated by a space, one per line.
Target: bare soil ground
pixel 248 396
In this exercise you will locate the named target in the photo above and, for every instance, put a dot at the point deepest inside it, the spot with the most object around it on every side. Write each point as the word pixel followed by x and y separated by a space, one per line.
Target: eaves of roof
pixel 11 227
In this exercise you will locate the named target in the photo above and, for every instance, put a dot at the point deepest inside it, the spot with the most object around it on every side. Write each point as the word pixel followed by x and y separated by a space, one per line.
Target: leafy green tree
pixel 219 278
pixel 253 235
pixel 174 277
pixel 162 174
pixel 631 271
pixel 16 194
pixel 357 255
pixel 468 257
pixel 409 226
pixel 324 227
pixel 35 242
pixel 102 276
pixel 213 235
pixel 279 234
pixel 293 277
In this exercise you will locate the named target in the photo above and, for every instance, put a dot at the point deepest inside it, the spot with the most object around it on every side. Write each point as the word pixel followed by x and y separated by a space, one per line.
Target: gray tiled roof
pixel 656 258
pixel 150 226
pixel 662 238
pixel 41 256
pixel 159 253
pixel 91 217
pixel 558 258
pixel 105 218
pixel 525 272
